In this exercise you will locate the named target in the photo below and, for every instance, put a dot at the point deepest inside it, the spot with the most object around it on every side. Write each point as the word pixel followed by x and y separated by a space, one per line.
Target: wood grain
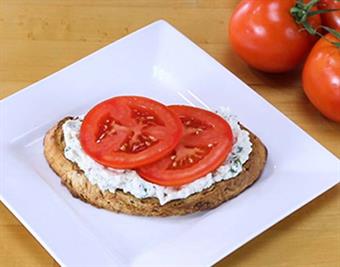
pixel 39 37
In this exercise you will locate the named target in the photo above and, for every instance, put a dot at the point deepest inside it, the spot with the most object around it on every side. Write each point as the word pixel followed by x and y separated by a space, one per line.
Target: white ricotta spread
pixel 130 182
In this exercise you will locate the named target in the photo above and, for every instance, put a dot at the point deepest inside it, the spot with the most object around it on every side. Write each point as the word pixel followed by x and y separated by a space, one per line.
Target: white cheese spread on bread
pixel 130 182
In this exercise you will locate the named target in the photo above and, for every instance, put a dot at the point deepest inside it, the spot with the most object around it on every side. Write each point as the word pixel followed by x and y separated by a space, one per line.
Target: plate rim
pixel 212 260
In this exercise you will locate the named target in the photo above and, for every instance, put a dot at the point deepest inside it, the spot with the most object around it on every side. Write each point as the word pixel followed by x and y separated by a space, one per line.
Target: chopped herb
pixel 234 165
pixel 233 157
pixel 238 162
pixel 233 170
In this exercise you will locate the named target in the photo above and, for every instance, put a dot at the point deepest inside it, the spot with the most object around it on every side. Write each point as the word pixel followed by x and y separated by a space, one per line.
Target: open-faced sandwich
pixel 134 155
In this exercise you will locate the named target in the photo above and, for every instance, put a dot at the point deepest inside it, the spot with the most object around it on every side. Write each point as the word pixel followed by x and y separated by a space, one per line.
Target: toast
pixel 80 187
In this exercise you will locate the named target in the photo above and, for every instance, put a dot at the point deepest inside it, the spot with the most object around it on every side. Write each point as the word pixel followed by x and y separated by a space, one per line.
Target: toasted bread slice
pixel 77 183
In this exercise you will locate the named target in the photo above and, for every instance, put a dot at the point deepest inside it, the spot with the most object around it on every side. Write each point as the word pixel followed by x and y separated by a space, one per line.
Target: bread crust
pixel 74 179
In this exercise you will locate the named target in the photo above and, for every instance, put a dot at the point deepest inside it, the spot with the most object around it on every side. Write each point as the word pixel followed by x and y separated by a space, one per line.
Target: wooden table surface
pixel 39 37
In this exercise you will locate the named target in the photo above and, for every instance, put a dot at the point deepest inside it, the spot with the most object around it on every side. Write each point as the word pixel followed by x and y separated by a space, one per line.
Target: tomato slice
pixel 205 144
pixel 129 131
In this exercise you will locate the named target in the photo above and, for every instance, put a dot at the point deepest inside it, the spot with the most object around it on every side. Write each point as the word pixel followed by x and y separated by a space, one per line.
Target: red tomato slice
pixel 129 131
pixel 205 144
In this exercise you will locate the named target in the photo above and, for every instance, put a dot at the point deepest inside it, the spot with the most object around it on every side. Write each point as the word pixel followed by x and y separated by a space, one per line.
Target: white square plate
pixel 159 62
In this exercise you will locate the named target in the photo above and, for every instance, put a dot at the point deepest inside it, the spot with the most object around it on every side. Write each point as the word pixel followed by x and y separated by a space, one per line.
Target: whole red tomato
pixel 321 77
pixel 265 35
pixel 330 19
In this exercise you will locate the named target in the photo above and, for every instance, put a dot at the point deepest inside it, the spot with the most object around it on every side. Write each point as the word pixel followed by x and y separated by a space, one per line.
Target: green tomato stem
pixel 301 12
